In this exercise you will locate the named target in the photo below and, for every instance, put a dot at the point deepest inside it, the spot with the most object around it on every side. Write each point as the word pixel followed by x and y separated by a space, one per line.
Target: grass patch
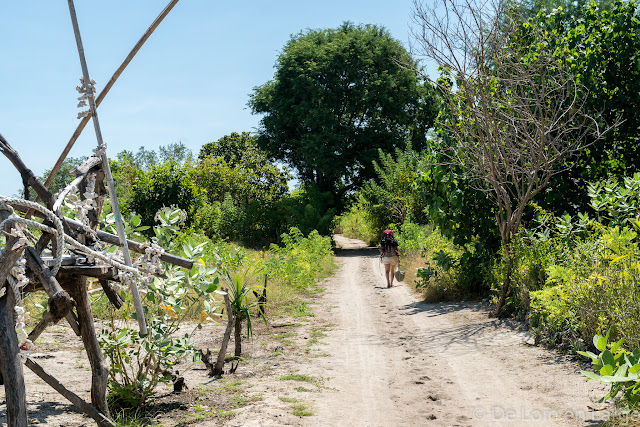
pixel 229 386
pixel 300 408
pixel 133 418
pixel 240 400
pixel 302 389
pixel 300 309
pixel 285 335
pixel 303 378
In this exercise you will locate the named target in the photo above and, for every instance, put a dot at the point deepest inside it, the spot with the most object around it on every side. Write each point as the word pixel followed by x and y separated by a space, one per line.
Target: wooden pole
pixel 218 368
pixel 10 363
pixel 85 407
pixel 59 299
pixel 107 170
pixel 99 367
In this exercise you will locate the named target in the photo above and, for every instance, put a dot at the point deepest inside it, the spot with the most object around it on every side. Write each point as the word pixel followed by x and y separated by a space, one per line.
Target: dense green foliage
pixel 163 185
pixel 604 47
pixel 139 363
pixel 338 96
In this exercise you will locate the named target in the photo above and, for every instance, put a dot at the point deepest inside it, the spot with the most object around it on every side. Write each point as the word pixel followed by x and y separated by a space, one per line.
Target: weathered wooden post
pixel 10 362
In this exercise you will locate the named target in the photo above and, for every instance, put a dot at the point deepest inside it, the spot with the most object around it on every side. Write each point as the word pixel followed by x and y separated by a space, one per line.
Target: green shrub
pixel 163 185
pixel 355 224
pixel 451 271
pixel 552 317
pixel 300 258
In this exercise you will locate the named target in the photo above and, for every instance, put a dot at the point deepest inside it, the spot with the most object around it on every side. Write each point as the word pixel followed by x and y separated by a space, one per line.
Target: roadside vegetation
pixel 541 220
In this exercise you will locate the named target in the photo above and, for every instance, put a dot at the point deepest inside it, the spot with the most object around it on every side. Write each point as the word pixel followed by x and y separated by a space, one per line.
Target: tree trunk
pixel 11 365
pixel 506 285
pixel 99 367
pixel 238 336
pixel 225 339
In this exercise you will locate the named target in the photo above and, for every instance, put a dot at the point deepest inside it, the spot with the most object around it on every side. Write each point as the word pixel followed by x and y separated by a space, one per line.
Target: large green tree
pixel 235 165
pixel 339 95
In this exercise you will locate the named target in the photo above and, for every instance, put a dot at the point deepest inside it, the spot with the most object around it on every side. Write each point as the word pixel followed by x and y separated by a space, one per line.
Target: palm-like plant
pixel 239 290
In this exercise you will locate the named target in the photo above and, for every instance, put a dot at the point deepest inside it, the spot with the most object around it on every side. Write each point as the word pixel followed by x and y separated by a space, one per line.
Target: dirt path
pixel 396 361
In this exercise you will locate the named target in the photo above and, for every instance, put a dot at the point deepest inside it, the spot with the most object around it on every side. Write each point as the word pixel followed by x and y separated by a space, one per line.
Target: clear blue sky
pixel 190 83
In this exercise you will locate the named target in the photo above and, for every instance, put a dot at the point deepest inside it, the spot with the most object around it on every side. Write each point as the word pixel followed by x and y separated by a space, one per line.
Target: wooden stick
pixel 59 300
pixel 85 407
pixel 72 319
pixel 41 326
pixel 115 206
pixel 218 368
pixel 108 87
pixel 97 271
pixel 26 174
pixel 99 367
pixel 112 294
pixel 48 319
pixel 10 363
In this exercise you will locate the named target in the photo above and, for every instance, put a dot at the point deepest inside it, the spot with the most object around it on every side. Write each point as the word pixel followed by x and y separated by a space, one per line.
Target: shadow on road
pixel 356 252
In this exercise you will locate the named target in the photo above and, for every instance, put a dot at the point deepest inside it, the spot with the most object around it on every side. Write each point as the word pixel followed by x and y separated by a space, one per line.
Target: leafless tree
pixel 516 112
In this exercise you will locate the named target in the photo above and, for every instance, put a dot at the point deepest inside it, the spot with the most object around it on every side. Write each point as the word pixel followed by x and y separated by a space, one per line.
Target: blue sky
pixel 190 83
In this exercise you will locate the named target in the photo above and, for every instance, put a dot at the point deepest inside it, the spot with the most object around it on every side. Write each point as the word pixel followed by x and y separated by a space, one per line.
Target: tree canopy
pixel 604 47
pixel 339 95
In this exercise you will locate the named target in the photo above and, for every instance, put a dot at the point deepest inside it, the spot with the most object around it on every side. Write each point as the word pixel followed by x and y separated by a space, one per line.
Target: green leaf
pixel 600 342
pixel 588 354
pixel 606 370
pixel 616 346
pixel 135 220
pixel 607 358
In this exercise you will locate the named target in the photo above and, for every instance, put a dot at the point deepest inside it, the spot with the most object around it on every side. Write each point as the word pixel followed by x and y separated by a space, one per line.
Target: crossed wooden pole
pixel 71 278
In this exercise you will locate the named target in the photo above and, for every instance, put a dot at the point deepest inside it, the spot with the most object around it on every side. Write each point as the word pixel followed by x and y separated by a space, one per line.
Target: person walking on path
pixel 389 255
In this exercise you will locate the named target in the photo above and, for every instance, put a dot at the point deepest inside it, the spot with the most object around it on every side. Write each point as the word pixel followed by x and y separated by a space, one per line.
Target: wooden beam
pixel 112 293
pixel 85 407
pixel 113 240
pixel 41 326
pixel 10 363
pixel 97 271
pixel 99 367
pixel 59 300
pixel 72 319
pixel 134 246
pixel 26 174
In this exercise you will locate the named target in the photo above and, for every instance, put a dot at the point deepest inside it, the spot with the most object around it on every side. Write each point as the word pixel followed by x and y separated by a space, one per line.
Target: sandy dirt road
pixel 396 361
